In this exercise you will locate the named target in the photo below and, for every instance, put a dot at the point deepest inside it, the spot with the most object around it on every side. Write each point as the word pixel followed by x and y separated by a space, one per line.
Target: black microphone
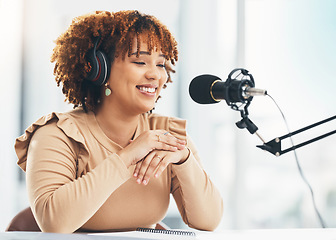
pixel 207 89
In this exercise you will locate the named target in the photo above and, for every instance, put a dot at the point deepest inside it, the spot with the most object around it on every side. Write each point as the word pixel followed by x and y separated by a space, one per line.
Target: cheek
pixel 164 78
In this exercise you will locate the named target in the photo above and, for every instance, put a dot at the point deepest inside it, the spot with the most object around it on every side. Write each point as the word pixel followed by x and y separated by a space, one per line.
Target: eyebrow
pixel 147 53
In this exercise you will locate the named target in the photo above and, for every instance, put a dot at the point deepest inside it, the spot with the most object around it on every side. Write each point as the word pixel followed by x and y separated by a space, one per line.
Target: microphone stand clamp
pixel 235 85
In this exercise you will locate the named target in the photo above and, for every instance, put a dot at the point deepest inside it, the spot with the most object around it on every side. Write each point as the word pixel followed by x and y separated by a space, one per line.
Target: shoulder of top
pixel 53 124
pixel 157 121
pixel 68 122
pixel 55 117
pixel 76 114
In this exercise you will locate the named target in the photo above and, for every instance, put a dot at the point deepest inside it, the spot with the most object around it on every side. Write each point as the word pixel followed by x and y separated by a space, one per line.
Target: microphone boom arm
pixel 274 146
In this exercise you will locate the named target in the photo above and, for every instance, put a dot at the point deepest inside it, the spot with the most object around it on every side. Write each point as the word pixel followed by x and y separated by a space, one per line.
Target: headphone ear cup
pixel 92 59
pixel 104 69
pixel 100 66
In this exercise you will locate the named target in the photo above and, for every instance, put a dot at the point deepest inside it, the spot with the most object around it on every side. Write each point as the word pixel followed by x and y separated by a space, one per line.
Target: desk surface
pixel 262 234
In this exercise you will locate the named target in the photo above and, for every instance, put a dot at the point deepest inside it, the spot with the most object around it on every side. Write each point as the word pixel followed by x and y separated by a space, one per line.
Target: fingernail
pixel 138 180
pixel 156 175
pixel 135 174
pixel 144 182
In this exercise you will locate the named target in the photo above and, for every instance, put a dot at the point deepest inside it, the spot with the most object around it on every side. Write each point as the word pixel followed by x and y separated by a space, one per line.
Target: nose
pixel 153 73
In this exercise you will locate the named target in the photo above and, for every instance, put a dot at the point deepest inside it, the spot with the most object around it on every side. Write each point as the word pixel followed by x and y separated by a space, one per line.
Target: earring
pixel 107 90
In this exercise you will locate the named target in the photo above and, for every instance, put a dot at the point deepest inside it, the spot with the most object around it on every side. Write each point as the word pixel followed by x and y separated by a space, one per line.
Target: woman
pixel 110 164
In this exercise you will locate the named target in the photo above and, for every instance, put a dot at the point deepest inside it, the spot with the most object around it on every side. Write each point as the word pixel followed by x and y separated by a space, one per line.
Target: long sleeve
pixel 60 202
pixel 197 199
pixel 75 181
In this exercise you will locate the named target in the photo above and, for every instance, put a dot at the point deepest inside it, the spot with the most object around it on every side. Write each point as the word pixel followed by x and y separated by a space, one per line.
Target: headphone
pixel 100 65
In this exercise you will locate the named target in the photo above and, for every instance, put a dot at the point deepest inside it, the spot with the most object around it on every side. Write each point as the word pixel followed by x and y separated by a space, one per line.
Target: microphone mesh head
pixel 199 89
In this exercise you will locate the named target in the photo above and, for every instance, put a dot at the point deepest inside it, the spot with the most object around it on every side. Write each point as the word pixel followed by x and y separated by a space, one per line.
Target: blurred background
pixel 287 45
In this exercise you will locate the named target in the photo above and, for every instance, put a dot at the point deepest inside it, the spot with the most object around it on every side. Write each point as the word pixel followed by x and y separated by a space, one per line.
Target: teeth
pixel 147 89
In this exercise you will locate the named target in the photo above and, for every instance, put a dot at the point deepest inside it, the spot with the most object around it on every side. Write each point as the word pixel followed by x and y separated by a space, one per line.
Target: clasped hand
pixel 151 152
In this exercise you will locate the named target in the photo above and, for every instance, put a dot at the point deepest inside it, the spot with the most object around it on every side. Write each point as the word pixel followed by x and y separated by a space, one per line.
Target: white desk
pixel 264 234
pixel 274 234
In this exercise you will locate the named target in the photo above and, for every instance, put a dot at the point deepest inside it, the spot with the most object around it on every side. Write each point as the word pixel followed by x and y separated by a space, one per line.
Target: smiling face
pixel 136 82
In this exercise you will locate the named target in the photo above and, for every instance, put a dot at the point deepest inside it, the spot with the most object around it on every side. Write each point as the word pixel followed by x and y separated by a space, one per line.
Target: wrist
pixel 123 156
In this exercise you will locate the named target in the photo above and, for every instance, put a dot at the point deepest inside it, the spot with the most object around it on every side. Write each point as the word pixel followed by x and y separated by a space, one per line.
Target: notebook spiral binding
pixel 167 231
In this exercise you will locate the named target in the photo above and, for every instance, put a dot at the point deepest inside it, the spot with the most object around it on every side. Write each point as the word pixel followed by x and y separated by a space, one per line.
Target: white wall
pixel 11 14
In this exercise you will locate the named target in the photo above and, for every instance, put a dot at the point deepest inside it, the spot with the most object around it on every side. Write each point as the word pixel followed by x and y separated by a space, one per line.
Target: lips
pixel 150 89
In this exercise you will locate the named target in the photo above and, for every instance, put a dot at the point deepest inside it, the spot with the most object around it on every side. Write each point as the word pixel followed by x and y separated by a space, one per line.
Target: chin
pixel 146 109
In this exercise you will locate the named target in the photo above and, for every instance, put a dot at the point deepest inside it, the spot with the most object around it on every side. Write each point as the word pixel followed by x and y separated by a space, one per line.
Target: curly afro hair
pixel 116 32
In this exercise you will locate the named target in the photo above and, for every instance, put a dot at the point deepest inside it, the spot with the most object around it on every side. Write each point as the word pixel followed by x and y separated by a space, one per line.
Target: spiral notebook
pixel 168 231
pixel 151 234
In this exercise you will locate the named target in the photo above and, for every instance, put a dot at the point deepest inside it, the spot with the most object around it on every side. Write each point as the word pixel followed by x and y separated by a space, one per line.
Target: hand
pixel 148 141
pixel 157 161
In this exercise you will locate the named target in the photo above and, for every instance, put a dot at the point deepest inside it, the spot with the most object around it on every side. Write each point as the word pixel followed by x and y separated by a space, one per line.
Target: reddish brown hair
pixel 116 31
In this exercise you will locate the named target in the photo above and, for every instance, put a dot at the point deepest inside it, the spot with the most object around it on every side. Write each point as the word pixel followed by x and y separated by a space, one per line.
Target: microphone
pixel 208 89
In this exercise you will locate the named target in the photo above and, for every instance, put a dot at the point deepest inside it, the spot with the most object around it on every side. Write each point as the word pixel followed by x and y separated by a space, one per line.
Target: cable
pixel 299 167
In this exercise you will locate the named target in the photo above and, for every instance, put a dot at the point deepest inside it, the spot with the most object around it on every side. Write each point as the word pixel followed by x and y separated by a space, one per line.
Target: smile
pixel 147 89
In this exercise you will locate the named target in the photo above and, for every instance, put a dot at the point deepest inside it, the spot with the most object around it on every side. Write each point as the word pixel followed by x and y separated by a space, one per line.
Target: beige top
pixel 76 181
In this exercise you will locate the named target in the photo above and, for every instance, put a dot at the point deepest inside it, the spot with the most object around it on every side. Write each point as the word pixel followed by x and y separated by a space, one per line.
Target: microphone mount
pixel 240 79
pixel 237 82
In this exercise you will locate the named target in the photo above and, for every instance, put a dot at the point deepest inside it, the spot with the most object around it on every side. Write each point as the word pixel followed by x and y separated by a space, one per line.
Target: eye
pixel 161 65
pixel 139 62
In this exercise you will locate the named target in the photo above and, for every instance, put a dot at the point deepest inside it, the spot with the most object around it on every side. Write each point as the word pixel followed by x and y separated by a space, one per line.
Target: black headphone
pixel 100 65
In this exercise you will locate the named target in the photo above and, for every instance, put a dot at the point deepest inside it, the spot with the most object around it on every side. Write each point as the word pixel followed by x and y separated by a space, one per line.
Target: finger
pixel 170 140
pixel 180 141
pixel 161 167
pixel 137 169
pixel 151 168
pixel 165 146
pixel 144 165
pixel 165 136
